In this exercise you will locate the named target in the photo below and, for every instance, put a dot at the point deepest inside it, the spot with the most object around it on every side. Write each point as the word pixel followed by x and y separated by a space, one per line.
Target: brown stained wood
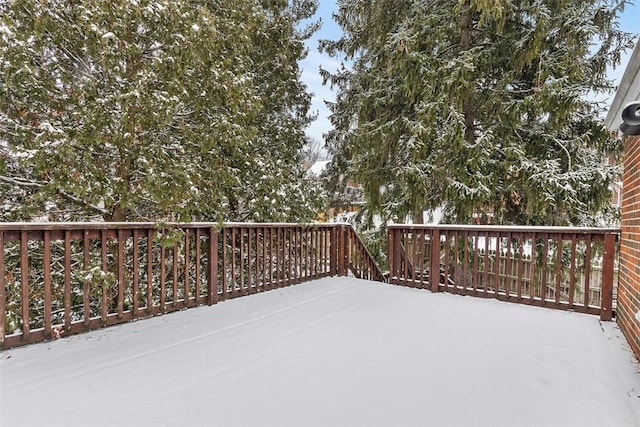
pixel 405 253
pixel 174 275
pixel 149 270
pixel 496 265
pixel 456 259
pixel 572 273
pixel 269 279
pixel 120 268
pixel 606 293
pixel 135 292
pixel 545 264
pixel 197 264
pixel 434 267
pixel 46 265
pixel 558 284
pixel 307 252
pixel 212 282
pixel 296 272
pixel 313 253
pixel 3 293
pixel 86 283
pixel 105 269
pixel 232 260
pixel 24 279
pixel 476 260
pixel 465 259
pixel 264 258
pixel 587 272
pixel 485 284
pixel 288 256
pixel 241 261
pixel 534 267
pixel 508 280
pixel 447 254
pixel 249 257
pixel 187 268
pixel 67 280
pixel 163 278
pixel 390 254
pixel 522 240
pixel 414 255
pixel 225 284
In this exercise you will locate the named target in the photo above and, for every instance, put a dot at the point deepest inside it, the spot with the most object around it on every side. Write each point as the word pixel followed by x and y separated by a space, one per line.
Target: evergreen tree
pixel 148 110
pixel 477 106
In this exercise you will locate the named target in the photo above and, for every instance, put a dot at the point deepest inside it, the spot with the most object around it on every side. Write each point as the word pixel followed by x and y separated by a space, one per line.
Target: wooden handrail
pixel 64 278
pixel 491 261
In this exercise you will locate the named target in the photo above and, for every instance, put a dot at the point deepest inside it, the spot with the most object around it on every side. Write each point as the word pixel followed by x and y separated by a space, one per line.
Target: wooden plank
pixel 234 288
pixel 213 267
pixel 135 292
pixel 197 265
pixel 187 268
pixel 532 270
pixel 46 265
pixel 120 268
pixel 67 280
pixel 606 293
pixel 476 260
pixel 241 261
pixel 587 272
pixel 149 269
pixel 105 269
pixel 485 284
pixel 447 253
pixel 3 292
pixel 522 240
pixel 508 281
pixel 456 259
pixel 86 283
pixel 163 272
pixel 572 273
pixel 558 268
pixel 545 263
pixel 465 241
pixel 434 269
pixel 24 279
pixel 225 284
pixel 250 256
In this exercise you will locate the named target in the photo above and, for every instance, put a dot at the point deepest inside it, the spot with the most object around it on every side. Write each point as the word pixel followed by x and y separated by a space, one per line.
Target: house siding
pixel 628 309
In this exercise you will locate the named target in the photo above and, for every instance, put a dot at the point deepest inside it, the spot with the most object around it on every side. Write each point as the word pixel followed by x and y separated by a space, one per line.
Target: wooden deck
pixel 332 352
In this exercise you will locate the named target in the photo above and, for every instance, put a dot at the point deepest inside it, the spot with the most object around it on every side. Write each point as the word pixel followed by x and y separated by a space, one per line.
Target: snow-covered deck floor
pixel 337 352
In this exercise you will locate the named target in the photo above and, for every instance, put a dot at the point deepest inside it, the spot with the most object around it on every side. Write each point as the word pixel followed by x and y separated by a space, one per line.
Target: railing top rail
pixel 509 228
pixel 28 226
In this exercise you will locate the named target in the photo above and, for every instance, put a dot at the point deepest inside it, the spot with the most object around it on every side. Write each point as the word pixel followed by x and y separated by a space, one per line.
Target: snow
pixel 336 351
pixel 318 167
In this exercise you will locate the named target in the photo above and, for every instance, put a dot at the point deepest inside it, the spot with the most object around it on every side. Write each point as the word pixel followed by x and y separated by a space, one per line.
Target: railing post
pixel 606 293
pixel 434 265
pixel 3 298
pixel 212 282
pixel 390 253
pixel 344 250
pixel 333 251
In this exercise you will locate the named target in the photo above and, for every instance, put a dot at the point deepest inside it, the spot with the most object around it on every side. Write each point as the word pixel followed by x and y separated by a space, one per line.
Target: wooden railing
pixel 63 278
pixel 558 267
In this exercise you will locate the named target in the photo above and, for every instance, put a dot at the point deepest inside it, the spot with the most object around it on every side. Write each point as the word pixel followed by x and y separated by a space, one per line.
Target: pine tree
pixel 145 110
pixel 478 107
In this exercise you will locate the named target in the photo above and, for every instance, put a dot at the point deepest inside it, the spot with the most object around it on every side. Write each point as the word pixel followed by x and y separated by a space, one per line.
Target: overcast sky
pixel 630 21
